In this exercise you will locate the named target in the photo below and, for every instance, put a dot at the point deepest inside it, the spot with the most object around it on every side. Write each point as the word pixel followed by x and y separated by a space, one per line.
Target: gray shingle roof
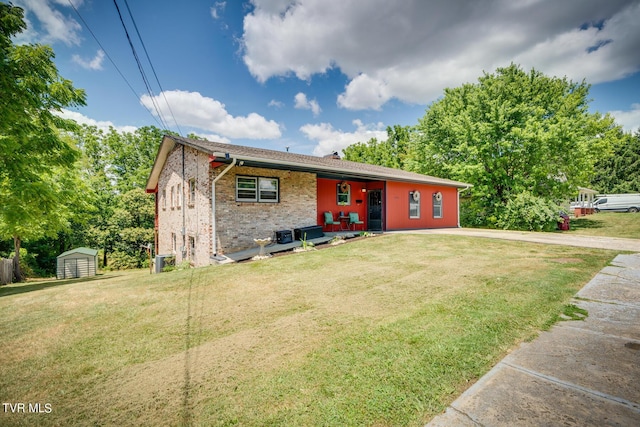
pixel 284 160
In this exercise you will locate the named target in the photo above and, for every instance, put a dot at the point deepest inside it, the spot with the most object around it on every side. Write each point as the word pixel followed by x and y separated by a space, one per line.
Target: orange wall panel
pixel 328 200
pixel 398 206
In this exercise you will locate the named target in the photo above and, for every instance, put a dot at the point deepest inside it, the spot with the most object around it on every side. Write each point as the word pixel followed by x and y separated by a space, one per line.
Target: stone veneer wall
pixel 237 223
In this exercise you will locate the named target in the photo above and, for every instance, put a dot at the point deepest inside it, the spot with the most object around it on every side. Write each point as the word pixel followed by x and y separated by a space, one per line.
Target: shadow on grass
pixel 585 223
pixel 21 288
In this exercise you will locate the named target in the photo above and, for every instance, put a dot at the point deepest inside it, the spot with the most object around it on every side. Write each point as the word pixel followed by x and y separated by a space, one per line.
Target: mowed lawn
pixel 383 331
pixel 610 224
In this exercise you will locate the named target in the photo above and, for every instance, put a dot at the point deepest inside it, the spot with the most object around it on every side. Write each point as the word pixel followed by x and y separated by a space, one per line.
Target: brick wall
pixel 237 223
pixel 194 213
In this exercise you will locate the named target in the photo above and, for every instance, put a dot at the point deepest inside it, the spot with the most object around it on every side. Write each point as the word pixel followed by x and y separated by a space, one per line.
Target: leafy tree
pixel 115 164
pixel 36 163
pixel 391 153
pixel 132 227
pixel 619 172
pixel 510 133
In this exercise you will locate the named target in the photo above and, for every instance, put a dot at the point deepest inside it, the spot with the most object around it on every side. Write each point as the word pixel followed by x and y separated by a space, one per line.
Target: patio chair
pixel 328 220
pixel 355 220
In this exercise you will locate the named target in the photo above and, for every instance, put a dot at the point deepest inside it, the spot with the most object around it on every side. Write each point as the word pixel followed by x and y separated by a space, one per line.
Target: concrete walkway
pixel 579 373
pixel 615 243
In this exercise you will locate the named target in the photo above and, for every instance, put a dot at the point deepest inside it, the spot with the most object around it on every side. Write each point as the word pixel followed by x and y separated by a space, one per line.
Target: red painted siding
pixel 397 207
pixel 328 200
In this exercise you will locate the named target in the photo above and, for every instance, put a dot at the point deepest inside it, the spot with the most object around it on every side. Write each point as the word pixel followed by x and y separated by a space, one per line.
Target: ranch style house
pixel 214 198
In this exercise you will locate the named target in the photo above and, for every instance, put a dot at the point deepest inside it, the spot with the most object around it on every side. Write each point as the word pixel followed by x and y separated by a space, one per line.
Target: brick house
pixel 257 192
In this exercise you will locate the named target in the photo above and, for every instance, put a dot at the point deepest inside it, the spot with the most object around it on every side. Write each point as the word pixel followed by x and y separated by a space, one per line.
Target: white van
pixel 617 203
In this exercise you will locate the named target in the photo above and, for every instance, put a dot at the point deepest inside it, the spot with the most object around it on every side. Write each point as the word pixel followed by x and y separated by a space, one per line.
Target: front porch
pixel 247 254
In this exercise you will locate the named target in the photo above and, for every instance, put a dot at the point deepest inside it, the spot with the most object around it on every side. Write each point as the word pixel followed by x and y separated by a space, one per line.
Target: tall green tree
pixel 390 153
pixel 36 163
pixel 116 165
pixel 620 172
pixel 511 133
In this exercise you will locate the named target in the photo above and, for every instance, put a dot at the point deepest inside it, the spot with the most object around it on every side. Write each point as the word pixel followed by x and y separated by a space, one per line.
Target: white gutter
pixel 214 241
pixel 460 190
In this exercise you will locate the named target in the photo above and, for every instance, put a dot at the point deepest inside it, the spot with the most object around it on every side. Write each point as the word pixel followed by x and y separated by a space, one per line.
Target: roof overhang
pixel 322 171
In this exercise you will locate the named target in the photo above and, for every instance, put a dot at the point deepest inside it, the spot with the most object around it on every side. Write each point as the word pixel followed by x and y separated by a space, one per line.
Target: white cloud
pixel 275 104
pixel 93 64
pixel 630 120
pixel 330 139
pixel 217 9
pixel 412 50
pixel 56 26
pixel 84 120
pixel 191 109
pixel 302 103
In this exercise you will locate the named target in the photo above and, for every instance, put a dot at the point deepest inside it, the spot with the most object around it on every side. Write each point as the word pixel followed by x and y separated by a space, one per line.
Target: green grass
pixel 383 331
pixel 610 224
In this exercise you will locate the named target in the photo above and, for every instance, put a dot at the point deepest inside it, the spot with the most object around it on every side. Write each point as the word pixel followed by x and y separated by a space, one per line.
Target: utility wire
pixel 152 67
pixel 111 60
pixel 141 69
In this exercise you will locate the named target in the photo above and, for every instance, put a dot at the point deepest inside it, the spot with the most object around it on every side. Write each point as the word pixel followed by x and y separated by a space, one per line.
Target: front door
pixel 374 210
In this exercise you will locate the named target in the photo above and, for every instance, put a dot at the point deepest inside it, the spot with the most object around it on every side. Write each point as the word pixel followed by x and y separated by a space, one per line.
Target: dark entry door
pixel 374 210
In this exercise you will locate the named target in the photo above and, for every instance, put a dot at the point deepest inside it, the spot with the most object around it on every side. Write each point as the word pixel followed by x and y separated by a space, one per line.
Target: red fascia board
pixel 213 163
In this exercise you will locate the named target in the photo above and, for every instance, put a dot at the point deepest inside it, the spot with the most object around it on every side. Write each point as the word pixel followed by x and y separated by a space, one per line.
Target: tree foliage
pixel 620 172
pixel 117 165
pixel 390 153
pixel 510 133
pixel 37 164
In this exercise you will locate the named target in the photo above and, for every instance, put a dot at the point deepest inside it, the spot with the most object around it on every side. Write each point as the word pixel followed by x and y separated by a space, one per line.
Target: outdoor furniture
pixel 328 220
pixel 343 220
pixel 355 220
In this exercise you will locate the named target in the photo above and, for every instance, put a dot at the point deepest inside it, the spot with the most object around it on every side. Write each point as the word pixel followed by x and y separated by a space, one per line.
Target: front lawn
pixel 610 224
pixel 382 331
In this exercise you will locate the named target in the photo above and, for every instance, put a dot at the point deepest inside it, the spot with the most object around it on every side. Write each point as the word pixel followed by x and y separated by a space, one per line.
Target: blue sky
pixel 318 75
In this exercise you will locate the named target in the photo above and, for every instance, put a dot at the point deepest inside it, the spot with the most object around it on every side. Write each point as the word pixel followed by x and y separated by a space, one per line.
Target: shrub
pixel 528 212
pixel 119 260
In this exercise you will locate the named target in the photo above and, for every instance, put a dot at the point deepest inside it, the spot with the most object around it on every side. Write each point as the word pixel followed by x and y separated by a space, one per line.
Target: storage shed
pixel 79 262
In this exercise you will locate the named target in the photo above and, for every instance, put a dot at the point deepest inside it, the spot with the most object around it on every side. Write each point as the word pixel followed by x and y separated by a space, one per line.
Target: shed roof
pixel 272 159
pixel 84 251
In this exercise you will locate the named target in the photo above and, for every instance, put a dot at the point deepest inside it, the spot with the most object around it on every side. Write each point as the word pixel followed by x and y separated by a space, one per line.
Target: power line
pixel 152 67
pixel 111 60
pixel 140 68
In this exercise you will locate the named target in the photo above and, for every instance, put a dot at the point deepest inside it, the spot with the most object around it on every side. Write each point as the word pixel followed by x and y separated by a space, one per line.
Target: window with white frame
pixel 257 189
pixel 437 205
pixel 173 197
pixel 178 195
pixel 173 242
pixel 343 191
pixel 164 199
pixel 268 190
pixel 414 204
pixel 192 192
